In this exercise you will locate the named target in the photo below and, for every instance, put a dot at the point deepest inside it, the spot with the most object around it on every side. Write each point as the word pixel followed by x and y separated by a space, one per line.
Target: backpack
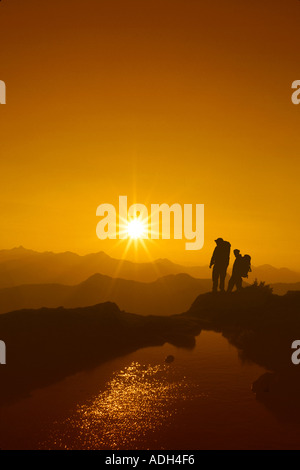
pixel 245 265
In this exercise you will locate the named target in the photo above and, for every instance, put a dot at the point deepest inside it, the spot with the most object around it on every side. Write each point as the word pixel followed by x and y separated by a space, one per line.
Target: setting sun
pixel 136 229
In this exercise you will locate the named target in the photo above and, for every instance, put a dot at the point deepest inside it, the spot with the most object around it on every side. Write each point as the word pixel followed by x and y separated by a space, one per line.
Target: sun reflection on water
pixel 137 401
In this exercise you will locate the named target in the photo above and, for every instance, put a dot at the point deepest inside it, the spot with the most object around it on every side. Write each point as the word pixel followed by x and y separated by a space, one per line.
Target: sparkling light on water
pixel 137 401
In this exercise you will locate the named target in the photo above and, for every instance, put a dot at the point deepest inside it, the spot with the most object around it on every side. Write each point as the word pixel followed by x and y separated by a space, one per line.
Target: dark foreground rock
pixel 46 345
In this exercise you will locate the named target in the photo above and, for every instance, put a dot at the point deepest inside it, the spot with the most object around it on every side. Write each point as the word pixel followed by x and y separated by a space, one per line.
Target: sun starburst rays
pixel 135 232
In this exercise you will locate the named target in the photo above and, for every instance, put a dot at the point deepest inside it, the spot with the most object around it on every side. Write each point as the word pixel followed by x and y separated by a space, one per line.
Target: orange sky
pixel 163 101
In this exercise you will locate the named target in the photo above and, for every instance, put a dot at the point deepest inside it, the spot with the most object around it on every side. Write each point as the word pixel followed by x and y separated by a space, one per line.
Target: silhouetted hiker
pixel 220 261
pixel 241 268
pixel 236 276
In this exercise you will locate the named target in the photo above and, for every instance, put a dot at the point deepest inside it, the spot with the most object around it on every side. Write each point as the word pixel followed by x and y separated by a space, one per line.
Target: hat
pixel 219 240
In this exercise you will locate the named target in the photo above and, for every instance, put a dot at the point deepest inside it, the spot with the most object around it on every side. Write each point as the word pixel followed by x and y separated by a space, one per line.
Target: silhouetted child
pixel 236 276
pixel 241 268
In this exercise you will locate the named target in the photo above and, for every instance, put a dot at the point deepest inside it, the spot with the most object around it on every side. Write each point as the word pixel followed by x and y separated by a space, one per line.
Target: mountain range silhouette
pixel 165 296
pixel 21 266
